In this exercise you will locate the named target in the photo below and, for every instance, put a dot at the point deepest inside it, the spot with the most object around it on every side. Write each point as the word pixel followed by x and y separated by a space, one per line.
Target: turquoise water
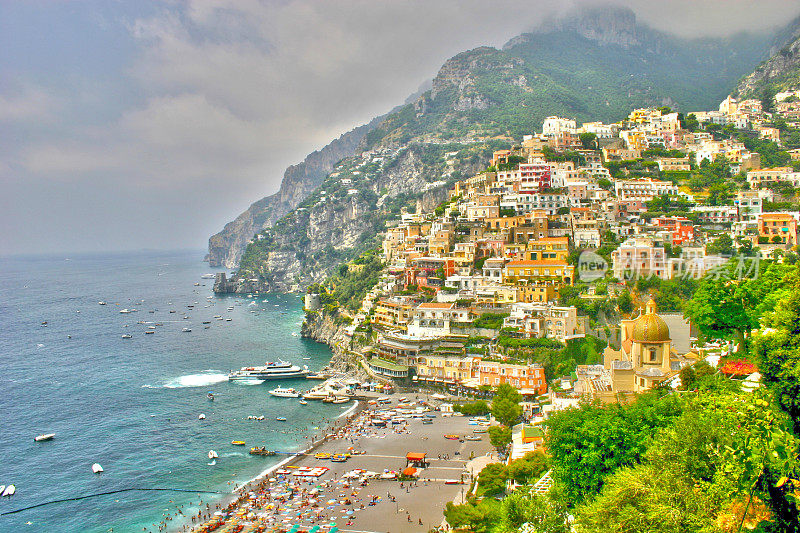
pixel 132 405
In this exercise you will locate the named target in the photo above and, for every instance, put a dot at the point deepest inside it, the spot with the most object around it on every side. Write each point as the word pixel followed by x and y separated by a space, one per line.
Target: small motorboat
pixel 210 396
pixel 472 437
pixel 124 311
pixel 201 416
pixel 280 418
pixel 284 393
pixel 149 332
pixel 212 454
pixel 9 491
pixel 96 468
pixel 261 450
pixel 101 303
pixel 127 336
pixel 303 402
pixel 452 437
pixel 237 442
pixel 44 437
pixel 186 330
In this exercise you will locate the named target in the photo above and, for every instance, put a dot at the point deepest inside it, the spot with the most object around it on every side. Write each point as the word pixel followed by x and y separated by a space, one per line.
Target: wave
pixel 195 380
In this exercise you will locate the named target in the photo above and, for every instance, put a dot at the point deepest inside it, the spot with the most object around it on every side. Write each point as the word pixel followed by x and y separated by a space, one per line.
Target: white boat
pixel 124 311
pixel 101 303
pixel 212 454
pixel 284 393
pixel 201 416
pixel 271 370
pixel 127 336
pixel 44 437
pixel 303 402
pixel 280 418
pixel 9 491
pixel 186 330
pixel 207 276
pixel 96 468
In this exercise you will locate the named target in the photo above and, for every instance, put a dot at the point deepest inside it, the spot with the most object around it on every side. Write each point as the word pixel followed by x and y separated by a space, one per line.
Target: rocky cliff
pixel 343 216
pixel 325 328
pixel 780 72
pixel 225 248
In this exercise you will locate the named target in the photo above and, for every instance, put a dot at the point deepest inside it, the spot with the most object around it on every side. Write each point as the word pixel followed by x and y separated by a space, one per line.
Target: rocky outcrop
pixel 225 248
pixel 781 72
pixel 306 244
pixel 327 328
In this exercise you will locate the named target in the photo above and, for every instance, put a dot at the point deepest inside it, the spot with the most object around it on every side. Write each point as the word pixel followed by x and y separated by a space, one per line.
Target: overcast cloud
pixel 151 126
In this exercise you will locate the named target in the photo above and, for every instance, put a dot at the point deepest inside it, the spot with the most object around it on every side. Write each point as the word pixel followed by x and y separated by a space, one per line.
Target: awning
pixel 415 456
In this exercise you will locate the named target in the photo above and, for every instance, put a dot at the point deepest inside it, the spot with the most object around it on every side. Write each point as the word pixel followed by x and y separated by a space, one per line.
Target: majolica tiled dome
pixel 650 327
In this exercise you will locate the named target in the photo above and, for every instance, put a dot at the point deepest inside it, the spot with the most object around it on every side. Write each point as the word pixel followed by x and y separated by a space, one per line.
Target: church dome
pixel 650 327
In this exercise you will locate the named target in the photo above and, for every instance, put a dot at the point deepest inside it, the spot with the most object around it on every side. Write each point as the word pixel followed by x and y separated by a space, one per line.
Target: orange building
pixel 781 225
pixel 518 376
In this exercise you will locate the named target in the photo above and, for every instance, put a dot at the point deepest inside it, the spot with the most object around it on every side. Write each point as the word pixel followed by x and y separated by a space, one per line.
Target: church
pixel 646 357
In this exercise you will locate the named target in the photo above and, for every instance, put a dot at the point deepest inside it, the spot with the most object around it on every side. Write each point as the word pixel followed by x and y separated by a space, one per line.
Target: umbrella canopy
pixel 410 471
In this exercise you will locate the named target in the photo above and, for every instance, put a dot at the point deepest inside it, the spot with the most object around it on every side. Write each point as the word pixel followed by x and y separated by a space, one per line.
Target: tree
pixel 505 405
pixel 500 437
pixel 529 469
pixel 541 512
pixel 588 140
pixel 590 442
pixel 778 353
pixel 492 479
pixel 721 306
pixel 625 302
pixel 476 516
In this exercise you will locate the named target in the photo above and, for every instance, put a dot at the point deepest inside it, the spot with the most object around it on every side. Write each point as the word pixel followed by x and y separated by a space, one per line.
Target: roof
pixel 650 327
pixel 538 262
pixel 387 365
pixel 416 456
pixel 435 305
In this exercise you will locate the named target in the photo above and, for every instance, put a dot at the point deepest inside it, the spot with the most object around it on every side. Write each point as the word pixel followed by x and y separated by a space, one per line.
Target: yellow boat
pixel 237 442
pixel 322 456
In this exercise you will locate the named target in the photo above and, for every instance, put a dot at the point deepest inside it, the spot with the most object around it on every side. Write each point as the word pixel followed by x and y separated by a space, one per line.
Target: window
pixel 653 355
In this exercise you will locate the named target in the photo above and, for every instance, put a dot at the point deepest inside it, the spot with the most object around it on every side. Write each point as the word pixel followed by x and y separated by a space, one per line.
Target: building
pixel 777 228
pixel 433 319
pixel 387 368
pixel 393 313
pixel 639 258
pixel 522 377
pixel 451 369
pixel 681 229
pixel 541 270
pixel 645 358
pixel 644 189
pixel 667 164
pixel 556 125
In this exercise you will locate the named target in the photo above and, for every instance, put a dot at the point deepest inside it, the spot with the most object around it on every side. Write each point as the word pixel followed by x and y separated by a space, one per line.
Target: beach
pixel 351 496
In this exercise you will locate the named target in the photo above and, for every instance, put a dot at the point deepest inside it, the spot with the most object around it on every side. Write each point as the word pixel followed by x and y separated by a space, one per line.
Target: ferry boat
pixel 284 393
pixel 271 370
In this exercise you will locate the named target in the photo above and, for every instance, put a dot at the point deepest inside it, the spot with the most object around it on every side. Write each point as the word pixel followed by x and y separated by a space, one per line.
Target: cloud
pixel 217 97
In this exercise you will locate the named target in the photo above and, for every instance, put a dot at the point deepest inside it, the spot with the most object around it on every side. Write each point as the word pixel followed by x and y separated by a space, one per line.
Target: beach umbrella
pixel 410 471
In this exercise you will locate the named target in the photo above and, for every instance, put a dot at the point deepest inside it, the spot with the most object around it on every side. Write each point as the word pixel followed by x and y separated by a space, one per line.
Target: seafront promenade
pixel 352 496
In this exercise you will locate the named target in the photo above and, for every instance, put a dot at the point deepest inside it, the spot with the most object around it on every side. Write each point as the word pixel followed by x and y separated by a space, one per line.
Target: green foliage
pixel 477 516
pixel 590 442
pixel 476 408
pixel 492 479
pixel 499 436
pixel 350 285
pixel 529 469
pixel 490 320
pixel 778 352
pixel 505 405
pixel 542 513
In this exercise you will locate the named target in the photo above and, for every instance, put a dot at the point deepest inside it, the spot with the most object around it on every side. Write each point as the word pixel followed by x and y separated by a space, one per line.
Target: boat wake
pixel 191 380
pixel 248 381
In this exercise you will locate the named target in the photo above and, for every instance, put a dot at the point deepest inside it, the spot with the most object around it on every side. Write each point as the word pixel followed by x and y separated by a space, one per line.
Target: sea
pixel 134 405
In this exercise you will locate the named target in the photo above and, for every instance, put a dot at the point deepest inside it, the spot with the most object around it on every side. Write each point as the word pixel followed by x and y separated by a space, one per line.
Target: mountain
pixel 780 72
pixel 596 65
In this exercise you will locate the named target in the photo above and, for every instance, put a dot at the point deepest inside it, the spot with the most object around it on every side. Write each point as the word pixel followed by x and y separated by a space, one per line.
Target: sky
pixel 149 125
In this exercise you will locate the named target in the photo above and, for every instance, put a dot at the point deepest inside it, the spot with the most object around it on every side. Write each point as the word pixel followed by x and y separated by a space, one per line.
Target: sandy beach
pixel 351 496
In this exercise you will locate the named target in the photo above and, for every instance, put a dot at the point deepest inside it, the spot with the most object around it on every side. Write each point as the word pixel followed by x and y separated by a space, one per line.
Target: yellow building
pixel 645 358
pixel 541 270
pixel 446 368
pixel 553 248
pixel 393 314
